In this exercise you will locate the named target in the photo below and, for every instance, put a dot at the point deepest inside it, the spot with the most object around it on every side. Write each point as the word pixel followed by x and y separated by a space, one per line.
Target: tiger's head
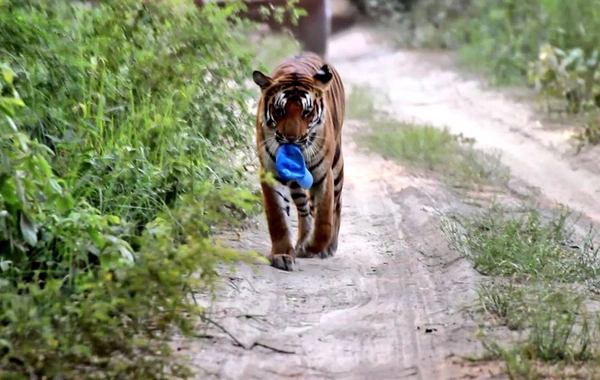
pixel 293 105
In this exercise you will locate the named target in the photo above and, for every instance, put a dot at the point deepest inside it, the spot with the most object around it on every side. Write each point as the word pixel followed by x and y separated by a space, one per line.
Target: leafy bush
pixel 422 23
pixel 122 129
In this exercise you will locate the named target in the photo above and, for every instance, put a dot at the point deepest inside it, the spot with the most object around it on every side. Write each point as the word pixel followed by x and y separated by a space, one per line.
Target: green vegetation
pixel 361 103
pixel 276 47
pixel 550 45
pixel 422 146
pixel 123 130
pixel 543 276
pixel 510 38
pixel 520 242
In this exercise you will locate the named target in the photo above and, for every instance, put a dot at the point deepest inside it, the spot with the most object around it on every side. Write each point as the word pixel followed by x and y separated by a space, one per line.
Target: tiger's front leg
pixel 321 233
pixel 277 205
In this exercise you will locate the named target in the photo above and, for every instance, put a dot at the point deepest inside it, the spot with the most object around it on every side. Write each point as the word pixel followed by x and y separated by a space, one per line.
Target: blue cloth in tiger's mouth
pixel 290 166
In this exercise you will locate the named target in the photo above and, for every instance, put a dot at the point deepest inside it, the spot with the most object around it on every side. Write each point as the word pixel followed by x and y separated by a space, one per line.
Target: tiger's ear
pixel 323 77
pixel 262 80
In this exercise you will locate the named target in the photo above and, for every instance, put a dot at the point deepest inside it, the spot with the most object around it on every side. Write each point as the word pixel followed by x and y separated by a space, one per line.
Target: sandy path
pixel 389 304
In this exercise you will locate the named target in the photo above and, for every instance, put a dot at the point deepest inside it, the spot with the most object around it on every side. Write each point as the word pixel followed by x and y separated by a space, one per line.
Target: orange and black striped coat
pixel 302 102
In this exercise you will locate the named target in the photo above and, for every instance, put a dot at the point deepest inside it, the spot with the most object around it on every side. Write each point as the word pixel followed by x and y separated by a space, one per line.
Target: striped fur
pixel 303 102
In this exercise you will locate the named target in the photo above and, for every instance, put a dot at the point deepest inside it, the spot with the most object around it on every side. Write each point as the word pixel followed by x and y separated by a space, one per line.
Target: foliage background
pixel 124 130
pixel 550 45
pixel 124 127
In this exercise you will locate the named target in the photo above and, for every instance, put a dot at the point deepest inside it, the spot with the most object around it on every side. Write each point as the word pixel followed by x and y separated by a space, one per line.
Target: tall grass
pixel 121 125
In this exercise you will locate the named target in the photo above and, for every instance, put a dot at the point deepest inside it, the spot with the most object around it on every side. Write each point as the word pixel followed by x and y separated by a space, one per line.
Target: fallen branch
pixel 274 349
pixel 237 343
pixel 207 319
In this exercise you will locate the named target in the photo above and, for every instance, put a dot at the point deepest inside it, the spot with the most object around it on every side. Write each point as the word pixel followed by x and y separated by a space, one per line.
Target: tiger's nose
pixel 291 138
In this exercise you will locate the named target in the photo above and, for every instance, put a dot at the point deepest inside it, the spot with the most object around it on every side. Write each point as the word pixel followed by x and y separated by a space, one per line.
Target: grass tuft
pixel 521 243
pixel 542 275
pixel 422 146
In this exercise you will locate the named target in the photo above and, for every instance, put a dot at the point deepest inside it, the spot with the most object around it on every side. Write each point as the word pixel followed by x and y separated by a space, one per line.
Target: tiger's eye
pixel 279 112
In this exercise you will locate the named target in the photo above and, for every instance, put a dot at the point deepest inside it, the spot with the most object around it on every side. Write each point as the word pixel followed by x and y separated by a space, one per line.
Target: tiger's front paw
pixel 283 261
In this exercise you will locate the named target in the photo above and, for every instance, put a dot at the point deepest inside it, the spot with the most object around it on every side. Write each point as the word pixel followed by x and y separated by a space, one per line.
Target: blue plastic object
pixel 291 166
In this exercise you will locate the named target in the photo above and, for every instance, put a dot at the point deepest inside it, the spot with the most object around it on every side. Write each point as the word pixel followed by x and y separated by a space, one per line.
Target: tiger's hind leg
pixel 320 236
pixel 305 218
pixel 277 205
pixel 338 185
pixel 333 245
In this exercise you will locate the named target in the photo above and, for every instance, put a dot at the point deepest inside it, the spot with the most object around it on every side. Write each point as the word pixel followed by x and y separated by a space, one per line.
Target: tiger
pixel 302 102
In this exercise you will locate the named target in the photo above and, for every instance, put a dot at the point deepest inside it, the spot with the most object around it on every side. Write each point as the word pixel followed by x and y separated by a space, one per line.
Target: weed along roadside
pixel 133 242
pixel 538 311
pixel 422 146
pixel 116 171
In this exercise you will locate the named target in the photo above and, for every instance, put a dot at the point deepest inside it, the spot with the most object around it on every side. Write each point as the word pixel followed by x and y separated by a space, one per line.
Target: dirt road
pixel 390 304
pixel 385 307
